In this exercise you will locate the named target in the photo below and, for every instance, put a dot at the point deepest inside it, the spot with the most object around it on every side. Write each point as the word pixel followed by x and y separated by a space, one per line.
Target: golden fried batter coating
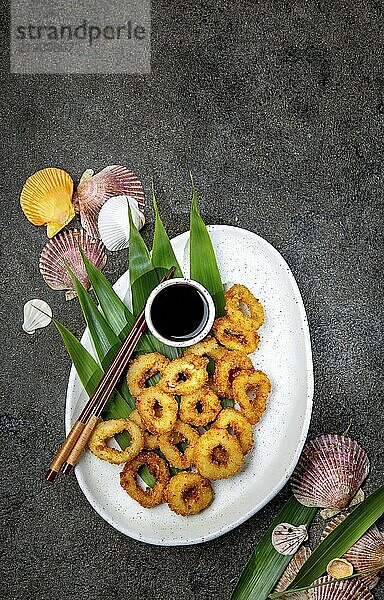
pixel 237 425
pixel 235 336
pixel 199 408
pixel 142 368
pixel 208 347
pixel 168 444
pixel 184 375
pixel 228 367
pixel 158 410
pixel 251 392
pixel 188 493
pixel 218 454
pixel 157 467
pixel 242 307
pixel 106 430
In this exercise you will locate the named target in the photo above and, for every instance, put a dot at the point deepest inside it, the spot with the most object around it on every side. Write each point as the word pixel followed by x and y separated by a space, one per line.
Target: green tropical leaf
pixel 142 274
pixel 266 566
pixel 341 538
pixel 203 264
pixel 105 341
pixel 88 370
pixel 163 256
pixel 115 312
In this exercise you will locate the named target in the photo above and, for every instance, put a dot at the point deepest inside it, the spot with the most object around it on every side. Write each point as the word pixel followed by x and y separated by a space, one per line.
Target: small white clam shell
pixel 113 221
pixel 287 538
pixel 37 314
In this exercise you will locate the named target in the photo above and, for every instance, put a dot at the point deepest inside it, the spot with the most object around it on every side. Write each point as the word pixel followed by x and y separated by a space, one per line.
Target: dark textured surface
pixel 277 108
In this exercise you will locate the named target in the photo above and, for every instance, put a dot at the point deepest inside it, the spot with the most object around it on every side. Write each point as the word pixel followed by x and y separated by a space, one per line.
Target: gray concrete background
pixel 277 108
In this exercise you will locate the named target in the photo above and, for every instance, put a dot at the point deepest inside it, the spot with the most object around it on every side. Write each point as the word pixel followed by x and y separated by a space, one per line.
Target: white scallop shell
pixel 287 538
pixel 37 314
pixel 113 221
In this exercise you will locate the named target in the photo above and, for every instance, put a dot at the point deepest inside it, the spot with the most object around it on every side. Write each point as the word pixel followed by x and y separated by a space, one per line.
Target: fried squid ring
pixel 188 493
pixel 168 444
pixel 199 408
pixel 157 467
pixel 208 347
pixel 157 410
pixel 142 368
pixel 106 430
pixel 237 425
pixel 235 336
pixel 242 306
pixel 251 392
pixel 184 375
pixel 227 368
pixel 218 454
pixel 151 440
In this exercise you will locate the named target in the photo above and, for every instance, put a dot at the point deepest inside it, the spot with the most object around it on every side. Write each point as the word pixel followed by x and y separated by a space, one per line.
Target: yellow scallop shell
pixel 46 199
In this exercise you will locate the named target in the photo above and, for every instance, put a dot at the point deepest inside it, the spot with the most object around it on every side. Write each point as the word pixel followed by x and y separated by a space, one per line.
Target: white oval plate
pixel 284 354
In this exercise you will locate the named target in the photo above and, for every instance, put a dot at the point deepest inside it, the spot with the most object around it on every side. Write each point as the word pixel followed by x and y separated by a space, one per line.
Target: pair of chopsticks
pixel 75 442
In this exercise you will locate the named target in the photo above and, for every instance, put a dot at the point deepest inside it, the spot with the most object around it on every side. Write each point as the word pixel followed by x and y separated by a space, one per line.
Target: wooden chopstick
pixel 110 379
pixel 72 447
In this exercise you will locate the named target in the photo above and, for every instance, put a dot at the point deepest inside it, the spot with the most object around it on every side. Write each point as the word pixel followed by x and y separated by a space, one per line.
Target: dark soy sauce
pixel 179 312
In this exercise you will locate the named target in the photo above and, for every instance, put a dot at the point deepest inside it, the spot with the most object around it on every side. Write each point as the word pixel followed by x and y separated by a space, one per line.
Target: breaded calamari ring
pixel 142 368
pixel 241 305
pixel 235 336
pixel 184 375
pixel 151 441
pixel 237 425
pixel 135 417
pixel 157 409
pixel 251 392
pixel 157 467
pixel 218 454
pixel 188 493
pixel 106 430
pixel 228 367
pixel 208 347
pixel 199 408
pixel 168 444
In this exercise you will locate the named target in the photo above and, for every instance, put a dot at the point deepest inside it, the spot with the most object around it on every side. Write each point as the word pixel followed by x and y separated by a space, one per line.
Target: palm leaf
pixel 115 312
pixel 203 264
pixel 266 566
pixel 105 341
pixel 163 256
pixel 142 274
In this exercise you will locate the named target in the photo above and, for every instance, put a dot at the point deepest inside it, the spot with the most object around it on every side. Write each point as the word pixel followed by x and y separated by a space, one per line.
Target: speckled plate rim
pixel 190 540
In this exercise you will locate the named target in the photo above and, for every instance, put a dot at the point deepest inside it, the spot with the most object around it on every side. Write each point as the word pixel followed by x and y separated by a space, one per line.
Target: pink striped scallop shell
pixel 92 193
pixel 64 247
pixel 349 589
pixel 330 471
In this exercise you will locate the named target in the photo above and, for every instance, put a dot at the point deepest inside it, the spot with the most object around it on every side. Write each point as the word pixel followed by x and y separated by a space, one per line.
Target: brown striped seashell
pixel 287 538
pixel 368 553
pixel 94 191
pixel 46 199
pixel 330 471
pixel 65 248
pixel 349 589
pixel 332 525
pixel 297 561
